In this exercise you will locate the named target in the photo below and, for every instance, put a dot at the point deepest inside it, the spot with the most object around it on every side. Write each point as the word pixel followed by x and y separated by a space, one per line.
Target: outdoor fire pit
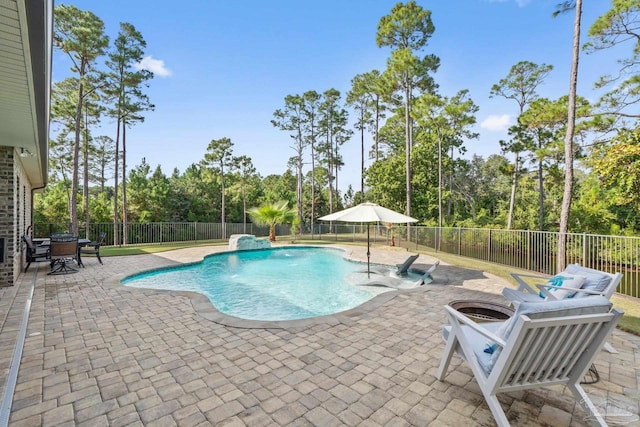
pixel 483 311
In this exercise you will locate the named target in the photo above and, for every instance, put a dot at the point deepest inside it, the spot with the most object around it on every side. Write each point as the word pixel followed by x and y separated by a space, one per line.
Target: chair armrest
pixel 590 292
pixel 41 249
pixel 524 286
pixel 461 318
pixel 544 289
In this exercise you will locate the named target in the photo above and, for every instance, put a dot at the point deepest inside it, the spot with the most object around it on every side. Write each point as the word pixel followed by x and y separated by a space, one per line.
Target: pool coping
pixel 205 308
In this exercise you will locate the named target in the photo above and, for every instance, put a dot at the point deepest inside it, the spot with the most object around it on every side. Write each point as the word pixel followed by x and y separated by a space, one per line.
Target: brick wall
pixel 15 212
pixel 22 208
pixel 7 213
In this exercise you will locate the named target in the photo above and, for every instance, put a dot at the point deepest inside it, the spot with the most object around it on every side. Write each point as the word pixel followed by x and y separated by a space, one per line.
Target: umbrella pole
pixel 368 254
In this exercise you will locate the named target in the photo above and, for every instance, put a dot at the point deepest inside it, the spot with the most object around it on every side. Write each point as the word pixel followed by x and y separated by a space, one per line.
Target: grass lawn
pixel 630 322
pixel 107 251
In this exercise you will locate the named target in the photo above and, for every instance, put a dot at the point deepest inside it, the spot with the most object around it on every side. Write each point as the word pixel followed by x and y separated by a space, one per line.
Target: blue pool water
pixel 274 284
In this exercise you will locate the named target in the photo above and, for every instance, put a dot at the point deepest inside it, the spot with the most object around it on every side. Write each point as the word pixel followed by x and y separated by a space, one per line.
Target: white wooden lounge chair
pixel 543 344
pixel 595 282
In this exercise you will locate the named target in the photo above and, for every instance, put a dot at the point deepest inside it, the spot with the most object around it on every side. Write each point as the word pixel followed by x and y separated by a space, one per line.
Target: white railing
pixel 528 250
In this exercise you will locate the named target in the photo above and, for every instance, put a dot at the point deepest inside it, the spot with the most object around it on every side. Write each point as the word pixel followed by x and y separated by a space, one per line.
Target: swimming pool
pixel 272 284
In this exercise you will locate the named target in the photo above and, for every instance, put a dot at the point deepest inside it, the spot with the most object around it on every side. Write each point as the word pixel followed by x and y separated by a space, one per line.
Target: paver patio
pixel 98 353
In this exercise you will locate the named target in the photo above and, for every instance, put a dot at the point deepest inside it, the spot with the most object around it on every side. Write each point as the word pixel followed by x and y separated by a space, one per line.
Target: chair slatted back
pixel 550 351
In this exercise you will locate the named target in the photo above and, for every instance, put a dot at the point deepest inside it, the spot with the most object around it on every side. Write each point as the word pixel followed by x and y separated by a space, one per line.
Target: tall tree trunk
pixel 116 230
pixel 102 176
pixel 375 137
pixel 244 208
pixel 514 188
pixel 313 179
pixel 439 181
pixel 299 176
pixel 362 157
pixel 450 200
pixel 73 208
pixel 335 167
pixel 85 177
pixel 540 197
pixel 125 232
pixel 408 146
pixel 223 217
pixel 330 167
pixel 568 144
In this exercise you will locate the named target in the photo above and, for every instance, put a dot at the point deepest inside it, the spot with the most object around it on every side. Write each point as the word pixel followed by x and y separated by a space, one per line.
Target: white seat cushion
pixel 516 296
pixel 548 309
pixel 478 342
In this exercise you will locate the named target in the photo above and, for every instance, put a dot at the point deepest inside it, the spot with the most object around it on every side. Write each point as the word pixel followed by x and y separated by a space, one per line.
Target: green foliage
pixel 415 149
pixel 52 205
pixel 385 179
pixel 619 168
pixel 408 26
pixel 616 28
pixel 272 214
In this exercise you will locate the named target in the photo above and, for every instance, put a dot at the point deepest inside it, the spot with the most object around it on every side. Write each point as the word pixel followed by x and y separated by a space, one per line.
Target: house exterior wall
pixel 7 215
pixel 15 213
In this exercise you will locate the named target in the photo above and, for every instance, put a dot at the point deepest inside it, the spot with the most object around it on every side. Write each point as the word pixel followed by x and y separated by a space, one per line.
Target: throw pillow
pixel 564 285
pixel 595 280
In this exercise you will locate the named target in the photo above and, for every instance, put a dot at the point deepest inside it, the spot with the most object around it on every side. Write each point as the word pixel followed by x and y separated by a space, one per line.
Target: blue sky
pixel 223 67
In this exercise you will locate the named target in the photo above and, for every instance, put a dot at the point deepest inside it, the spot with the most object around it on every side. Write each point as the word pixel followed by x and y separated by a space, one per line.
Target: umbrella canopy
pixel 368 212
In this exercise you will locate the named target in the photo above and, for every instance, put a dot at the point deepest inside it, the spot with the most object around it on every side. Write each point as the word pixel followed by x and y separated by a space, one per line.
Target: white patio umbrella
pixel 368 212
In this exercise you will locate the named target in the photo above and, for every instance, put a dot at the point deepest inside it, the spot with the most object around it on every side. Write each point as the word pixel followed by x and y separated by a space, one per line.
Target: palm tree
pixel 272 214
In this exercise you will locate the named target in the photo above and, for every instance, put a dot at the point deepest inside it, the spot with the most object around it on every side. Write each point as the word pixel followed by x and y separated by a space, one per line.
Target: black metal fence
pixel 529 250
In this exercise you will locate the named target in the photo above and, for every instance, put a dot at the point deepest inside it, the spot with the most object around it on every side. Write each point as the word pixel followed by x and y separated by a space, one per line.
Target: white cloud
pixel 496 123
pixel 156 66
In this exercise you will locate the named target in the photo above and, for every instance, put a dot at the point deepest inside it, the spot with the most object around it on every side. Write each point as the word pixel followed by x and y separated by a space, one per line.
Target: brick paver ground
pixel 98 353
